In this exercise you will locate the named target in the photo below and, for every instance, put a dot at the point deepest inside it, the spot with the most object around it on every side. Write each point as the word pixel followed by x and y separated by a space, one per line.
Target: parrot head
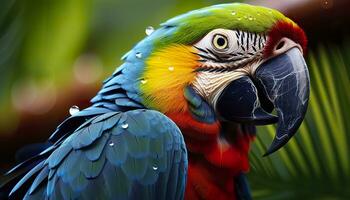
pixel 239 61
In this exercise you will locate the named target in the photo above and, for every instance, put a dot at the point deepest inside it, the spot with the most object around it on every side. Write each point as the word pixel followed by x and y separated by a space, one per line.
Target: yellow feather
pixel 166 74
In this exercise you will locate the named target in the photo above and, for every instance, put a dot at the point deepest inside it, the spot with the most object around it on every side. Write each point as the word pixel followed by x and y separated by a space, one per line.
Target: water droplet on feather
pixel 143 81
pixel 149 30
pixel 73 110
pixel 125 125
pixel 138 55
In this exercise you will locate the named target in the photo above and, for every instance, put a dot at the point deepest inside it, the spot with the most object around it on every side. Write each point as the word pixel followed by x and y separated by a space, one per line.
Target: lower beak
pixel 282 81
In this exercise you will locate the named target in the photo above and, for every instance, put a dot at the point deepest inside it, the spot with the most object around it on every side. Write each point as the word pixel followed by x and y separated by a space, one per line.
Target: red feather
pixel 213 163
pixel 285 29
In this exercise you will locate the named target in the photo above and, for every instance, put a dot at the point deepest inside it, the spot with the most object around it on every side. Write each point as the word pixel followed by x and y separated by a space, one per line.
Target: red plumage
pixel 213 163
pixel 285 29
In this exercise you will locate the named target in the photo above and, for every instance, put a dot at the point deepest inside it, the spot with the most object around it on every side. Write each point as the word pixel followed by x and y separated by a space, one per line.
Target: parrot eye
pixel 220 42
pixel 227 50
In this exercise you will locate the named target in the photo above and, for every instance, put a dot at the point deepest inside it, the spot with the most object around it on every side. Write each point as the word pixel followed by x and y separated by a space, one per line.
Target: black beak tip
pixel 276 144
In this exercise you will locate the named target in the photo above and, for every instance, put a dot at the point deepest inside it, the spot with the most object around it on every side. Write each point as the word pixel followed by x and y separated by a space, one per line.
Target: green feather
pixel 234 16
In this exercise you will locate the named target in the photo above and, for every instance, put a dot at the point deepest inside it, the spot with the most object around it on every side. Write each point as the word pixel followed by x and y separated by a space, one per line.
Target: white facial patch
pixel 226 55
pixel 237 49
pixel 210 84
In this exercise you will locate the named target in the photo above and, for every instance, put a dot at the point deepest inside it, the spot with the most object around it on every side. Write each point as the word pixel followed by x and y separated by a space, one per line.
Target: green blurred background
pixel 54 54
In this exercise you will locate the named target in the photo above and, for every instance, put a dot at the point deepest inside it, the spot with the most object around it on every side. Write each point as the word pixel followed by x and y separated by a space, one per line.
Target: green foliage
pixel 39 42
pixel 315 164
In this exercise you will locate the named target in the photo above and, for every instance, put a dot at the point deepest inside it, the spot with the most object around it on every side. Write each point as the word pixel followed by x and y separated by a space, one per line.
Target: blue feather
pixel 114 96
pixel 58 155
pixel 127 102
pixel 109 89
pixel 68 170
pixel 51 186
pixel 134 96
pixel 104 159
pixel 116 152
pixel 35 170
pixel 134 168
pixel 92 169
pixel 112 121
pixel 93 152
pixel 103 117
pixel 242 187
pixel 79 183
pixel 39 179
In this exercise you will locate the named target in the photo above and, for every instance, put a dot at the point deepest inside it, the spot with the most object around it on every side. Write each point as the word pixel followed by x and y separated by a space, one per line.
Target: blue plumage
pixel 94 154
pixel 116 155
pixel 199 109
pixel 243 189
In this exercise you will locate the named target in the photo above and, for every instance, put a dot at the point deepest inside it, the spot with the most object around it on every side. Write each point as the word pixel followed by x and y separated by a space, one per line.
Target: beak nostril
pixel 280 45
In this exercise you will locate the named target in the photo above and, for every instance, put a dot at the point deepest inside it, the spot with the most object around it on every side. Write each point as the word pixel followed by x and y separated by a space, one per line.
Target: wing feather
pixel 106 159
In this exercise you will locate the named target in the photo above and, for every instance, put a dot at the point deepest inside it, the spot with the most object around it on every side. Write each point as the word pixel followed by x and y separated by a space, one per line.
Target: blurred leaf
pixel 39 42
pixel 56 32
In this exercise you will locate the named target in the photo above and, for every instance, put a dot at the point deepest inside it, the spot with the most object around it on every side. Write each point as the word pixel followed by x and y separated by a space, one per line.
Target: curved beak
pixel 281 82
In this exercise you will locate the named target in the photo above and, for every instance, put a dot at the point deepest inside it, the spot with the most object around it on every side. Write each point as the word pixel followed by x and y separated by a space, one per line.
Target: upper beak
pixel 282 82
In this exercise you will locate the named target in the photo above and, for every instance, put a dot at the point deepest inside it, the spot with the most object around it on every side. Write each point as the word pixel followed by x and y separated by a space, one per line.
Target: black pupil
pixel 221 41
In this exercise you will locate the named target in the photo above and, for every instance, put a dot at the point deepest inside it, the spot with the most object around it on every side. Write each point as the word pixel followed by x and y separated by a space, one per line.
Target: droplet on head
pixel 111 144
pixel 239 19
pixel 327 4
pixel 171 68
pixel 149 30
pixel 155 167
pixel 233 13
pixel 250 18
pixel 138 55
pixel 125 125
pixel 73 110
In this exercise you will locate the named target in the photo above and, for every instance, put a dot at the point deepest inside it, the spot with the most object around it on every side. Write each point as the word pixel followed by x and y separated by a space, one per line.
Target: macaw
pixel 176 119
